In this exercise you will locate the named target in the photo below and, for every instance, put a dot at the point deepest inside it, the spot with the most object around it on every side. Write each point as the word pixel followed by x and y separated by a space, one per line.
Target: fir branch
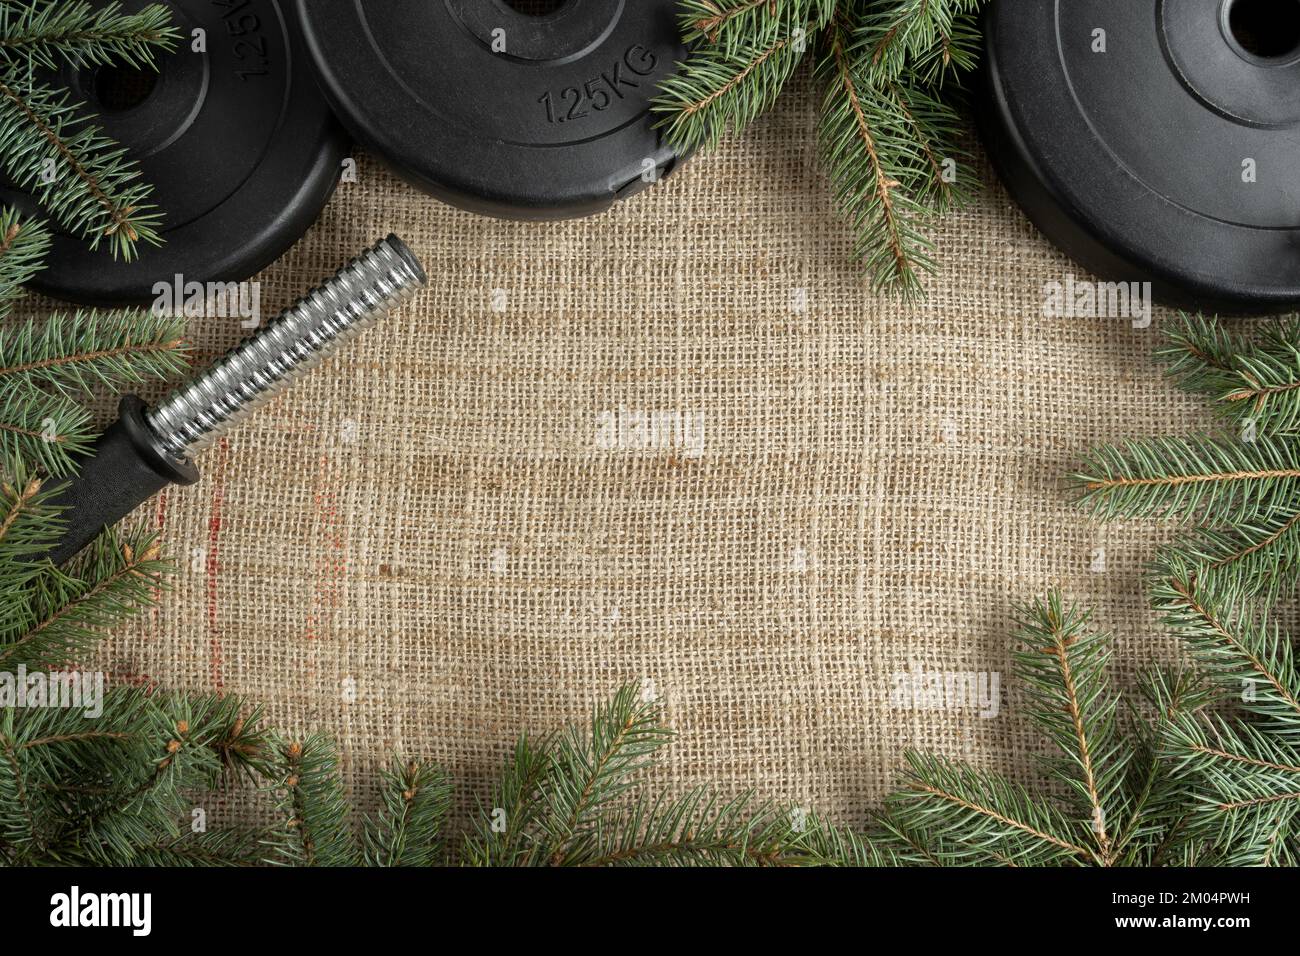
pixel 1155 833
pixel 116 791
pixel 731 24
pixel 872 161
pixel 504 830
pixel 1258 558
pixel 1217 479
pixel 560 802
pixel 724 89
pixel 238 738
pixel 24 243
pixel 58 756
pixel 1252 382
pixel 928 37
pixel 67 610
pixel 176 735
pixel 28 529
pixel 227 846
pixel 974 815
pixel 92 349
pixel 50 31
pixel 314 828
pixel 886 136
pixel 701 830
pixel 19 832
pixel 590 771
pixel 818 843
pixel 1063 666
pixel 50 149
pixel 1232 643
pixel 1247 789
pixel 50 431
pixel 407 832
pixel 938 174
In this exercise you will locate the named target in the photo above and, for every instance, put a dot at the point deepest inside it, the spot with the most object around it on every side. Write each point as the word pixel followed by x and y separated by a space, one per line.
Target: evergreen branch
pixel 1064 668
pixel 1246 785
pixel 51 431
pixel 24 243
pixel 972 814
pixel 872 162
pixel 28 529
pixel 229 846
pixel 927 37
pixel 114 793
pixel 93 349
pixel 701 830
pixel 1154 830
pixel 1216 479
pixel 504 831
pixel 69 768
pixel 732 24
pixel 84 736
pixel 1232 644
pixel 1257 558
pixel 693 831
pixel 940 176
pixel 47 31
pixel 416 801
pixel 886 137
pixel 175 734
pixel 238 739
pixel 19 836
pixel 68 610
pixel 724 89
pixel 908 846
pixel 590 771
pixel 313 828
pixel 818 843
pixel 49 148
pixel 1253 382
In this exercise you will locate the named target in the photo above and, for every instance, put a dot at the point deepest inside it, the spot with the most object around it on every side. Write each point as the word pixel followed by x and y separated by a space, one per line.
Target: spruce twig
pixel 78 33
pixel 24 244
pixel 1232 772
pixel 890 74
pixel 88 350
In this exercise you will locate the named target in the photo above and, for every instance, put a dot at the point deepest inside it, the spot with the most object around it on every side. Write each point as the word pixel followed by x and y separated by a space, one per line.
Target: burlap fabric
pixel 681 443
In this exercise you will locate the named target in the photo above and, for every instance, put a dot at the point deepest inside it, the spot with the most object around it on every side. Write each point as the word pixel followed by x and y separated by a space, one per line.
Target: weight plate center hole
pixel 117 89
pixel 535 8
pixel 1265 30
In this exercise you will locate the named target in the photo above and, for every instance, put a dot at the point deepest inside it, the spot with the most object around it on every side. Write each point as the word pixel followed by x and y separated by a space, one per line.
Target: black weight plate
pixel 1136 160
pixel 553 123
pixel 241 148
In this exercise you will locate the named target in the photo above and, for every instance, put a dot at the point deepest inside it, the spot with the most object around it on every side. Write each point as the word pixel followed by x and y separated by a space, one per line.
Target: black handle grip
pixel 123 470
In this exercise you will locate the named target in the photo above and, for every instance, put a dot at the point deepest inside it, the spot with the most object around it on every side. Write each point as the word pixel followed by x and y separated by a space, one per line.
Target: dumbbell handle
pixel 148 449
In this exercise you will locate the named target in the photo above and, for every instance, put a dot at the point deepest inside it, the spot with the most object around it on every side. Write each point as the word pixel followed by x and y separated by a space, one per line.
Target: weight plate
pixel 1156 140
pixel 522 110
pixel 241 148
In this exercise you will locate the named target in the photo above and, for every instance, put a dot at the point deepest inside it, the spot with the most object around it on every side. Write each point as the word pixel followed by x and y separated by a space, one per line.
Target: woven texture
pixel 680 443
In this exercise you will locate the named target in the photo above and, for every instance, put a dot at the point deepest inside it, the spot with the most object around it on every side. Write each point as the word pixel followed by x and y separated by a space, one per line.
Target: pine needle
pixel 52 150
pixel 81 34
pixel 87 350
pixel 314 828
pixel 66 611
pixel 1220 480
pixel 24 243
pixel 888 128
pixel 407 832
